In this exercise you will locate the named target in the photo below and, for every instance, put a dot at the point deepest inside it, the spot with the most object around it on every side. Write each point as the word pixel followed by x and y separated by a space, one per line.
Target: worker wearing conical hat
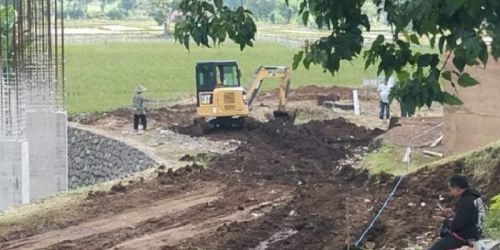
pixel 139 108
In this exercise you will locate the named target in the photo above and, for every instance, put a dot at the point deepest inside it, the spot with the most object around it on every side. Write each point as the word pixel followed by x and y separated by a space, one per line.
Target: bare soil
pixel 283 187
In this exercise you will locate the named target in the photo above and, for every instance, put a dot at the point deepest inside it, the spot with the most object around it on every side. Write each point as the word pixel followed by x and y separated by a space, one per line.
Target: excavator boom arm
pixel 264 72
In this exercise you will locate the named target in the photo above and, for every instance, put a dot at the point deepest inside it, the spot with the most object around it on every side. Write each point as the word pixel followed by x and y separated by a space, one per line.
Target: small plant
pixel 493 219
pixel 204 159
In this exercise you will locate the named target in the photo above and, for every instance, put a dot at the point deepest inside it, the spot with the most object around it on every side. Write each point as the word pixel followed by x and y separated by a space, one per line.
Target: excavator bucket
pixel 285 117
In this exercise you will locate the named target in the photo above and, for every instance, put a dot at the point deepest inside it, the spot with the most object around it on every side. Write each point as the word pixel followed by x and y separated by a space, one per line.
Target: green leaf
pixel 414 39
pixel 306 62
pixel 459 63
pixel 403 45
pixel 305 17
pixel 441 42
pixel 319 21
pixel 403 76
pixel 465 80
pixel 451 99
pixel 446 75
pixel 495 47
pixel 424 60
pixel 297 58
pixel 379 40
pixel 365 22
pixel 186 41
pixel 218 4
pixel 432 41
pixel 483 55
pixel 302 6
pixel 453 5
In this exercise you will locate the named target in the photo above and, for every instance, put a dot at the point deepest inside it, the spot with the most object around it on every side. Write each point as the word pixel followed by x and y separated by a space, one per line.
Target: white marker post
pixel 355 101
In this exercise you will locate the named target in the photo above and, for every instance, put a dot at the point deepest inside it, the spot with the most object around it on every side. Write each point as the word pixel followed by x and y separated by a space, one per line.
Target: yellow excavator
pixel 223 102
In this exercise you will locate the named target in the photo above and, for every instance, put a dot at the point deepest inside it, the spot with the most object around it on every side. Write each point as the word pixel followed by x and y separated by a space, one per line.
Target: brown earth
pixel 282 188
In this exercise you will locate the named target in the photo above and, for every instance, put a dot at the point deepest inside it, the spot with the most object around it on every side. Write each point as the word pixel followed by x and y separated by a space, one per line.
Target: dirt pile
pixel 313 92
pixel 306 158
pixel 294 153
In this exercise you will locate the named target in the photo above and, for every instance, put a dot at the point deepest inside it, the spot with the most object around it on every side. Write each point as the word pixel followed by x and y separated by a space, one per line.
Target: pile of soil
pixel 312 92
pixel 306 158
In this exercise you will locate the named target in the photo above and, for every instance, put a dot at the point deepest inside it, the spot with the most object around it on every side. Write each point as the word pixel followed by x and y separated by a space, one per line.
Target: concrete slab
pixel 14 173
pixel 47 134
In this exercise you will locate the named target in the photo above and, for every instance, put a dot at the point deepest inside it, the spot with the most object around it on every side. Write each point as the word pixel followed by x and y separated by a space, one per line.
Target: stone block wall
pixel 94 158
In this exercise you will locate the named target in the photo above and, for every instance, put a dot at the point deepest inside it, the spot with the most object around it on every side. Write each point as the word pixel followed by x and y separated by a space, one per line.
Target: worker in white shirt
pixel 384 90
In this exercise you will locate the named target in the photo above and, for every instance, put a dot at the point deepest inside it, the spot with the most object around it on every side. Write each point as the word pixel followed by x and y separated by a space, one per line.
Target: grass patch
pixel 61 205
pixel 493 219
pixel 388 159
pixel 102 77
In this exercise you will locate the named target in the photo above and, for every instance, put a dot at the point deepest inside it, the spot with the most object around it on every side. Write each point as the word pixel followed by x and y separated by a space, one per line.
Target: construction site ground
pixel 264 187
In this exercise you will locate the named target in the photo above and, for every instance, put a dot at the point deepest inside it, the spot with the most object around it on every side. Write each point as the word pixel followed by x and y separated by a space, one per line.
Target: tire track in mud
pixel 128 219
pixel 174 236
pixel 239 203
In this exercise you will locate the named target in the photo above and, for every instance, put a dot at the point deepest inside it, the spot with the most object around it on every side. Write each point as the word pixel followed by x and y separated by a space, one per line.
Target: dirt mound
pixel 295 153
pixel 313 92
pixel 304 157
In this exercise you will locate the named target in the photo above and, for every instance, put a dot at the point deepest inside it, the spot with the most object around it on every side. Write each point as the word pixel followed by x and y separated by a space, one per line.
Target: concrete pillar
pixel 47 134
pixel 14 173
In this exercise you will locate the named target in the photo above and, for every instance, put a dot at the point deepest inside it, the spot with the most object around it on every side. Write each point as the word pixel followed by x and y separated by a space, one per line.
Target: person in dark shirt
pixel 465 224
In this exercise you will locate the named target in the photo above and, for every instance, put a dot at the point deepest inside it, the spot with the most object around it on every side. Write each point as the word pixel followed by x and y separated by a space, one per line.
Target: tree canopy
pixel 451 27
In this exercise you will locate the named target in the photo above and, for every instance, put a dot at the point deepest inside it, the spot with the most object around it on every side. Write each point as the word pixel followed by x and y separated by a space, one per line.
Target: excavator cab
pixel 222 101
pixel 218 90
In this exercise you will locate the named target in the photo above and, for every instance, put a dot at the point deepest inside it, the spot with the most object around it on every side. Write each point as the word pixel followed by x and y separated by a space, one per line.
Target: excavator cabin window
pixel 216 75
pixel 227 76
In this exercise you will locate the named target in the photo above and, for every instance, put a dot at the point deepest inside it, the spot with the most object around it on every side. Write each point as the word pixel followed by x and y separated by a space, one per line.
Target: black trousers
pixel 384 108
pixel 446 243
pixel 143 121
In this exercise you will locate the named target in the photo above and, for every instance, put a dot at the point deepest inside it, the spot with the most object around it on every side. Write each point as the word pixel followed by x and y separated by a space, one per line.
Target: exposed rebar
pixel 31 61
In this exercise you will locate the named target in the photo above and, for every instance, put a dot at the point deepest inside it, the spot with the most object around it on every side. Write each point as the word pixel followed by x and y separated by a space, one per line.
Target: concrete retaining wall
pixel 46 132
pixel 94 158
pixel 14 173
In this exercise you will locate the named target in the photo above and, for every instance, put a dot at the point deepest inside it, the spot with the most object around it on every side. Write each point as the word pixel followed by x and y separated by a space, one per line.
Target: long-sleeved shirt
pixel 139 104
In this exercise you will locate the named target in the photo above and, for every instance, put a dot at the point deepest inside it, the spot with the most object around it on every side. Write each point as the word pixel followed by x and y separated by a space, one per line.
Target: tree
pixel 77 9
pixel 103 4
pixel 128 5
pixel 451 26
pixel 233 4
pixel 162 12
pixel 7 23
pixel 262 9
